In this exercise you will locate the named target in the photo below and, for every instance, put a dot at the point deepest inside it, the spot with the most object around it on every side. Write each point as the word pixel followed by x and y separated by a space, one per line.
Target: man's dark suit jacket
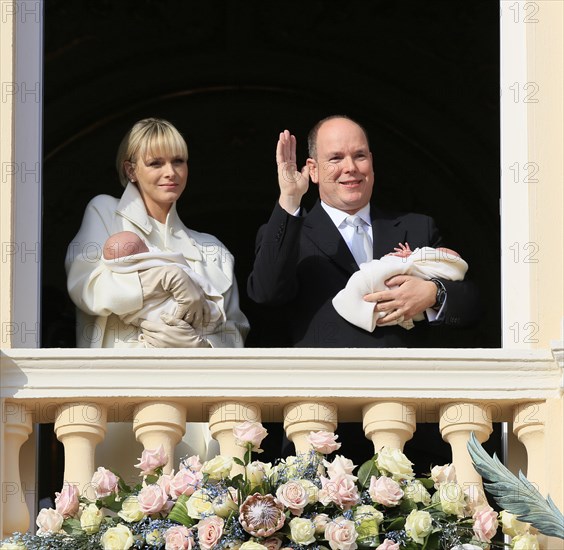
pixel 303 262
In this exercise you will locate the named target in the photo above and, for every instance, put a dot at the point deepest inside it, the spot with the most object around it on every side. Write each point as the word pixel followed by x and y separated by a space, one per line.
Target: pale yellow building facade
pixel 465 390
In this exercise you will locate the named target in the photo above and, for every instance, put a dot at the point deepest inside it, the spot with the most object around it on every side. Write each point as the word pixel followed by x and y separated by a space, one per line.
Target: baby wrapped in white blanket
pixel 126 252
pixel 427 263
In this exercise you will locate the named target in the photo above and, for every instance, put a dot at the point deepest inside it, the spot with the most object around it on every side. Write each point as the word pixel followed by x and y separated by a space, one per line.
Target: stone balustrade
pixel 465 391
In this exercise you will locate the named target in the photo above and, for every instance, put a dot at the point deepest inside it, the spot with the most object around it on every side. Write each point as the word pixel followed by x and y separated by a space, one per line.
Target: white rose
pixel 416 492
pixel 130 510
pixel 257 472
pixel 13 546
pixel 302 531
pixel 367 520
pixel 511 526
pixel 418 525
pixel 311 489
pixel 154 538
pixel 452 499
pixel 226 503
pixel 117 538
pixel 49 521
pixel 199 505
pixel 218 468
pixel 395 463
pixel 251 545
pixel 525 542
pixel 90 519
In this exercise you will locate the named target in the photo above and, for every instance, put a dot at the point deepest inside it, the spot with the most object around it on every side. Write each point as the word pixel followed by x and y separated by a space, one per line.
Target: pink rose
pixel 320 522
pixel 443 474
pixel 384 490
pixel 323 442
pixel 294 496
pixel 49 521
pixel 152 499
pixel 185 482
pixel 179 538
pixel 339 467
pixel 485 523
pixel 342 491
pixel 105 482
pixel 388 545
pixel 164 482
pixel 210 530
pixel 249 432
pixel 341 534
pixel 193 463
pixel 66 502
pixel 151 460
pixel 272 543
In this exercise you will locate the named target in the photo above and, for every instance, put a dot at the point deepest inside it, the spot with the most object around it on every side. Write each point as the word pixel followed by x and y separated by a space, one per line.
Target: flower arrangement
pixel 302 502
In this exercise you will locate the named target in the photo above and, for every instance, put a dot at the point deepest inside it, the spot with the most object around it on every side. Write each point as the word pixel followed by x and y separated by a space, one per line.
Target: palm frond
pixel 516 494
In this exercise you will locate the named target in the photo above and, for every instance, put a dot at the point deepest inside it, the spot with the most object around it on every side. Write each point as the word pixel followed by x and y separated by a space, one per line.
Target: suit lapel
pixel 320 229
pixel 387 232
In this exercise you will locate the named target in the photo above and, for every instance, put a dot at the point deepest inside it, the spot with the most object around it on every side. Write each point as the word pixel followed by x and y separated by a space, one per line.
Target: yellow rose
pixel 199 505
pixel 218 468
pixel 302 531
pixel 130 510
pixel 117 538
pixel 511 526
pixel 90 519
pixel 13 546
pixel 418 525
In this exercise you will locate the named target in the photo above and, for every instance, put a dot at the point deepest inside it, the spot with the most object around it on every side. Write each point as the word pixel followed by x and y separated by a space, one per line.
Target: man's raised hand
pixel 293 183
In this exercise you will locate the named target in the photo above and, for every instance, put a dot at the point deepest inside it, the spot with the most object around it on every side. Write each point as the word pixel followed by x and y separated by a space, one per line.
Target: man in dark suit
pixel 303 260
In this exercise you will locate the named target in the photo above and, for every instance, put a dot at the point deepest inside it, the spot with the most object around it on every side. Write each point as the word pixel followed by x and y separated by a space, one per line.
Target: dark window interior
pixel 422 77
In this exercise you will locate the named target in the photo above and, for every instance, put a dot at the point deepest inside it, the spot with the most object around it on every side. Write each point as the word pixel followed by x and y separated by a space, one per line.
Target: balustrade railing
pixel 389 391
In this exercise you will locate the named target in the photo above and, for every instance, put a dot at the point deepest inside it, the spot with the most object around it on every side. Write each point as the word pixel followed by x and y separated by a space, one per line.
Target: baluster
pixel 80 427
pixel 304 417
pixel 156 424
pixel 17 427
pixel 529 421
pixel 456 423
pixel 389 423
pixel 224 417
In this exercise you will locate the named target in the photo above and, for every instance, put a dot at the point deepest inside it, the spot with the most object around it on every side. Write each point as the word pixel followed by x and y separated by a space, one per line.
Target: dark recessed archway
pixel 421 77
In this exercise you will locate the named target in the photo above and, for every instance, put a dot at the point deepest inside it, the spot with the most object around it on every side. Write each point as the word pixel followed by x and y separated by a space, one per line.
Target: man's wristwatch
pixel 441 295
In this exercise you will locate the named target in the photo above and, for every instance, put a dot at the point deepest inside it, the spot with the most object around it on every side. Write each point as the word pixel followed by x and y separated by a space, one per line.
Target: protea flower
pixel 261 515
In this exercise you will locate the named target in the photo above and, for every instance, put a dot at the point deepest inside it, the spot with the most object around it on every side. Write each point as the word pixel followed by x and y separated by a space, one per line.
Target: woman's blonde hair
pixel 146 138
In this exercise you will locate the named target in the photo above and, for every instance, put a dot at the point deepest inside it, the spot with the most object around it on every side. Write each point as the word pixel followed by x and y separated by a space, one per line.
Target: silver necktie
pixel 360 246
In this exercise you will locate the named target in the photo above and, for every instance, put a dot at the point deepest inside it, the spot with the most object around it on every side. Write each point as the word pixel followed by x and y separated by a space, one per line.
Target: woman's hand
pixel 177 335
pixel 293 184
pixel 171 280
